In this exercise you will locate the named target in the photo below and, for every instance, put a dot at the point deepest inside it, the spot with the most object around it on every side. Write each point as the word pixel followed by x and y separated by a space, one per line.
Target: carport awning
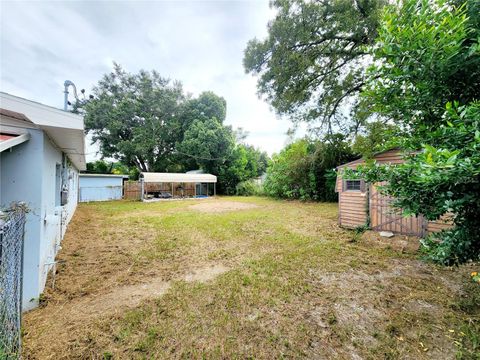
pixel 8 141
pixel 152 177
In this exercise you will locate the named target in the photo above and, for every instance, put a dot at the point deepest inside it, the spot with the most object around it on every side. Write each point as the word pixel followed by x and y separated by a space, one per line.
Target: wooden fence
pixel 132 190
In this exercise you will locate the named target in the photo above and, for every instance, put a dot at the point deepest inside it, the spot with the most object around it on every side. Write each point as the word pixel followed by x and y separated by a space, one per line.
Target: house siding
pixel 55 217
pixel 28 173
pixel 21 180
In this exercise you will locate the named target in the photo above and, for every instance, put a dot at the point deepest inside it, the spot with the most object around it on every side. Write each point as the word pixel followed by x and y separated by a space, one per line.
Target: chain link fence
pixel 12 224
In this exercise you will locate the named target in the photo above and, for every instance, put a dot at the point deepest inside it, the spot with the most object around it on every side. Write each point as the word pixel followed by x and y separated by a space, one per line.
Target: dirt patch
pixel 375 309
pixel 132 295
pixel 222 206
pixel 206 274
pixel 403 243
pixel 80 313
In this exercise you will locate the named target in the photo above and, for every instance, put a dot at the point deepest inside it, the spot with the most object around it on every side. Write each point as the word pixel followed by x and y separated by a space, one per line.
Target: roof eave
pixel 64 129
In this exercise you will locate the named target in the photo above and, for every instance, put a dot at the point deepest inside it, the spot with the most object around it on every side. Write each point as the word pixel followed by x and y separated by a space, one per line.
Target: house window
pixel 353 185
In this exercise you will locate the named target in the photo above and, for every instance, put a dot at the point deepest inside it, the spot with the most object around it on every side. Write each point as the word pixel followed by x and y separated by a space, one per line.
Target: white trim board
pixel 17 140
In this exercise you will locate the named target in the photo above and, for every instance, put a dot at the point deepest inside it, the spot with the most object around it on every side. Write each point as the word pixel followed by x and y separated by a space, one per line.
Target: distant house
pixel 101 187
pixel 360 203
pixel 42 151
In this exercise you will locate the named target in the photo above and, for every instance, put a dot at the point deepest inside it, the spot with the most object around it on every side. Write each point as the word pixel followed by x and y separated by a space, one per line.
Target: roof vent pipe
pixel 68 83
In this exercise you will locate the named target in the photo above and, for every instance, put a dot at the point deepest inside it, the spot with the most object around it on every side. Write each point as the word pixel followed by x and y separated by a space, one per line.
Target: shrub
pixel 249 188
pixel 449 247
pixel 305 169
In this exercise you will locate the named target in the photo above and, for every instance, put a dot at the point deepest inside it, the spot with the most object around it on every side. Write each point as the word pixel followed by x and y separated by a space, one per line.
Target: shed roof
pixel 104 175
pixel 396 151
pixel 178 177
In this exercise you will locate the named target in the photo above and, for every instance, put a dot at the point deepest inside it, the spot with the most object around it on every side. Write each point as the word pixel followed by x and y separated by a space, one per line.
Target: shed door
pixel 383 217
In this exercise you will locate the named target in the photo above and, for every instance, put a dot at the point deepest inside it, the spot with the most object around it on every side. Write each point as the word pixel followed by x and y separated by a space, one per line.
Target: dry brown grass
pixel 259 279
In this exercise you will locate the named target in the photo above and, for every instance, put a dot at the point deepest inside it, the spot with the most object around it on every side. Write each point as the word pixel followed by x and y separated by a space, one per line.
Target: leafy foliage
pixel 104 167
pixel 209 143
pixel 375 137
pixel 135 118
pixel 249 188
pixel 99 167
pixel 428 53
pixel 312 64
pixel 305 169
pixel 290 174
pixel 206 106
pixel 333 151
pixel 245 163
pixel 147 123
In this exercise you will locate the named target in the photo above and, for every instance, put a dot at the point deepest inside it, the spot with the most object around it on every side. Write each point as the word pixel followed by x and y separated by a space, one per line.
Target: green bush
pixel 305 169
pixel 290 173
pixel 449 247
pixel 249 188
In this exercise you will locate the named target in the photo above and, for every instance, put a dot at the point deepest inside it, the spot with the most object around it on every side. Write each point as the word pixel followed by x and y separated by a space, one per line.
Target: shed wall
pixel 353 208
pixel 94 188
pixel 353 205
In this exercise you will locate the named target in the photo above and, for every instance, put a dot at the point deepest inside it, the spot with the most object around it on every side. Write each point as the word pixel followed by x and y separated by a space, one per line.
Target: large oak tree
pixel 312 64
pixel 135 118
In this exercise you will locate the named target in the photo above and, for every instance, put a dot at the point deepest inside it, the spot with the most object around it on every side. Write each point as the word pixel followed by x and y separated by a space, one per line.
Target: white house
pixel 42 150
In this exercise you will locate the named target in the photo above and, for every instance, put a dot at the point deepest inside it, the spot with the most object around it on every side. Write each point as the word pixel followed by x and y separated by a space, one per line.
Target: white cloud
pixel 200 43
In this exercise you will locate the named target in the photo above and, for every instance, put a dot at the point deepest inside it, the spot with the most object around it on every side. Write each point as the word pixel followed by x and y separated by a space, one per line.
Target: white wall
pixel 21 180
pixel 73 184
pixel 28 173
pixel 100 188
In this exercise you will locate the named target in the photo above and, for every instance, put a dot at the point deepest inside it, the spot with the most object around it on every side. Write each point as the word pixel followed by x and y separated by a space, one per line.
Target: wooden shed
pixel 361 204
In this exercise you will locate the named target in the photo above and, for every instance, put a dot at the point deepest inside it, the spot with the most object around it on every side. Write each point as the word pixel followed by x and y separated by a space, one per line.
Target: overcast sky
pixel 200 43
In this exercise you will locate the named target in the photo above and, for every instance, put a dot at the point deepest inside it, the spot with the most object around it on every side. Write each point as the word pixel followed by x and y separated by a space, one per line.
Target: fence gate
pixel 12 224
pixel 383 217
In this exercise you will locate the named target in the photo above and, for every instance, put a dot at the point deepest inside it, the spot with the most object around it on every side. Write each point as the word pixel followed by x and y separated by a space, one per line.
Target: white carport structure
pixel 179 185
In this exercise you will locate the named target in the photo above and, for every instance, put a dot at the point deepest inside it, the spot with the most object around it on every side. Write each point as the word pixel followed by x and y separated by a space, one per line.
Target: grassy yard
pixel 245 278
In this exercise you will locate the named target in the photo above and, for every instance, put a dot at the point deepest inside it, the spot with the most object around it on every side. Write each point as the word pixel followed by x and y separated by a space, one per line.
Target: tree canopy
pixel 376 136
pixel 135 118
pixel 427 54
pixel 147 122
pixel 312 64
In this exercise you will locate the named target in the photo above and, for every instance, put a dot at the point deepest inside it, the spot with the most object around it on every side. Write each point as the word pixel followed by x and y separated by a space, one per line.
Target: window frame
pixel 346 182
